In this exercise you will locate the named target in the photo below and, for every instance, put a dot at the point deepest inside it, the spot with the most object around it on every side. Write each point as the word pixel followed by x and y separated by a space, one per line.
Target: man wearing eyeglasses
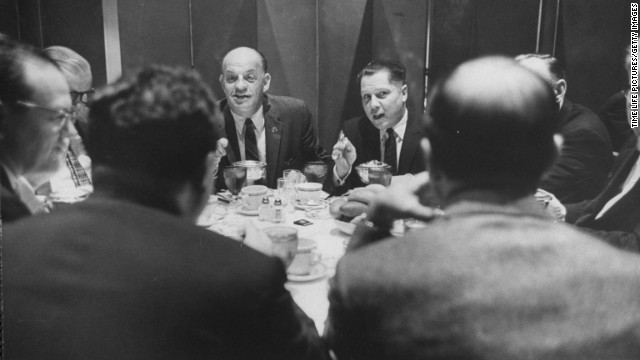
pixel 35 124
pixel 77 72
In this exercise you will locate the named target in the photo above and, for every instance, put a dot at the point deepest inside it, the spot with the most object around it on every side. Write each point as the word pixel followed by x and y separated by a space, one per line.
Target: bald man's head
pixel 492 122
pixel 244 80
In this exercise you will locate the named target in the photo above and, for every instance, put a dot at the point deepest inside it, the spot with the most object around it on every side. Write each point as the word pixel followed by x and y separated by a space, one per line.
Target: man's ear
pixel 405 93
pixel 266 82
pixel 560 90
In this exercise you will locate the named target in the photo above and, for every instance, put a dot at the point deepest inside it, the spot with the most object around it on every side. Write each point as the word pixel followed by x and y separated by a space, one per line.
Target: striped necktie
pixel 78 173
pixel 250 142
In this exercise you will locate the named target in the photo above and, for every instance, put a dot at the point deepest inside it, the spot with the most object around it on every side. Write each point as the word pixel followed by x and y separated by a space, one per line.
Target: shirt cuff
pixel 337 180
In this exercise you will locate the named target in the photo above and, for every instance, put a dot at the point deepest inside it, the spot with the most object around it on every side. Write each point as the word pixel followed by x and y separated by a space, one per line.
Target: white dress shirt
pixel 25 192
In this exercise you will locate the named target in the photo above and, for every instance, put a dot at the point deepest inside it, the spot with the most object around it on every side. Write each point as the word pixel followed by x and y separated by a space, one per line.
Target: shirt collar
pixel 257 118
pixel 398 128
pixel 24 190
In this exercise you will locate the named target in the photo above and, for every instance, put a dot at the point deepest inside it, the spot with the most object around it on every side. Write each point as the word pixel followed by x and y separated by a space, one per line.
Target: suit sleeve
pixel 291 333
pixel 581 170
pixel 629 241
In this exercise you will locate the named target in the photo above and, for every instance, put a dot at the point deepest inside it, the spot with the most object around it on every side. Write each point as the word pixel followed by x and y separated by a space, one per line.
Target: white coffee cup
pixel 309 193
pixel 252 196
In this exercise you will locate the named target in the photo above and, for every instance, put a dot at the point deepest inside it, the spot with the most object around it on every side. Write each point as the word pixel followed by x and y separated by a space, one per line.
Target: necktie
pixel 250 142
pixel 390 150
pixel 78 173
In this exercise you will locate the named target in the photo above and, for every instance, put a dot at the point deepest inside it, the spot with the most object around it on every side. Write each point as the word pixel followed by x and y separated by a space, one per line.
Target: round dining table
pixel 310 292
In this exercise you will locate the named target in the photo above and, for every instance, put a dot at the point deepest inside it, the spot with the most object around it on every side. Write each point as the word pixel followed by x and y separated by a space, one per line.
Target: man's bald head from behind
pixel 492 124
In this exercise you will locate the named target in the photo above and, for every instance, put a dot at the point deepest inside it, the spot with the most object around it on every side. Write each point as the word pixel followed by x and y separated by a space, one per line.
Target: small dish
pixel 318 271
pixel 210 215
pixel 320 205
pixel 345 227
pixel 248 212
pixel 306 244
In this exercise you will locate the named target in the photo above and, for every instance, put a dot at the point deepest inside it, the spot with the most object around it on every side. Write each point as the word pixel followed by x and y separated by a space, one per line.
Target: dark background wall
pixel 316 47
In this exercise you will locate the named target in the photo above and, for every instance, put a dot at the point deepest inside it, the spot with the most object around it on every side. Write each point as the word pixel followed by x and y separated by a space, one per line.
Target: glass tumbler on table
pixel 235 178
pixel 316 171
pixel 381 175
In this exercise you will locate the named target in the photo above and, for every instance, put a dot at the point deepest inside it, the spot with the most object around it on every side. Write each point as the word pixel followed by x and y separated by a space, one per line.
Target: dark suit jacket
pixel 614 116
pixel 366 139
pixel 291 139
pixel 110 279
pixel 581 170
pixel 485 282
pixel 11 207
pixel 620 225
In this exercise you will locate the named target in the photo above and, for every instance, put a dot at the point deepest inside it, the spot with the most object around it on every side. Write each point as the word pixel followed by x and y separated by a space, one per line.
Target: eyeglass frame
pixel 80 95
pixel 62 115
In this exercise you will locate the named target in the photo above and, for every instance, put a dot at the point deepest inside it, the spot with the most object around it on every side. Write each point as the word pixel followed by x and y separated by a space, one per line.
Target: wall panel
pixel 399 33
pixel 154 31
pixel 287 37
pixel 344 47
pixel 219 26
pixel 86 18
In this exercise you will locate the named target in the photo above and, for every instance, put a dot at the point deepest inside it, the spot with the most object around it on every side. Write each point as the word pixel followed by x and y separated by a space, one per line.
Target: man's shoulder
pixel 281 101
pixel 448 241
pixel 581 117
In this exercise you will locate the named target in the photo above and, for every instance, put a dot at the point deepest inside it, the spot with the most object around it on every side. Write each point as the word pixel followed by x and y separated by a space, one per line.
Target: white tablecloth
pixel 311 296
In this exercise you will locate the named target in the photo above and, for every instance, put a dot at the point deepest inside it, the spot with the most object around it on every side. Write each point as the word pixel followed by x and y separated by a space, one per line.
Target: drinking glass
pixel 316 171
pixel 294 175
pixel 286 189
pixel 380 176
pixel 284 242
pixel 235 177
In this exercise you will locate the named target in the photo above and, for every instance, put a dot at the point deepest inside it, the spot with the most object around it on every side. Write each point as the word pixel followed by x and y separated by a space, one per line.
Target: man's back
pixel 109 279
pixel 487 281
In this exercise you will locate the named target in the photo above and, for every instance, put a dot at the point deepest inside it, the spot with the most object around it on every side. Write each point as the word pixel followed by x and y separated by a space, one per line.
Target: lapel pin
pixel 274 129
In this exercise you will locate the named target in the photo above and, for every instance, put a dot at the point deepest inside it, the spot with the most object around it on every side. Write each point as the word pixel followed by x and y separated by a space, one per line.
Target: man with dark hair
pixel 35 124
pixel 387 133
pixel 277 130
pixel 581 170
pixel 494 277
pixel 126 274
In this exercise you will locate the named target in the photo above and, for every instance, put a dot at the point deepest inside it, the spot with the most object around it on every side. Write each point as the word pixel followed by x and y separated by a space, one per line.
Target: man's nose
pixel 375 104
pixel 241 84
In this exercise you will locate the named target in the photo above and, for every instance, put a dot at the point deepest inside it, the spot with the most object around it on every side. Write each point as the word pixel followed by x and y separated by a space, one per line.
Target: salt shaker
pixel 264 211
pixel 278 211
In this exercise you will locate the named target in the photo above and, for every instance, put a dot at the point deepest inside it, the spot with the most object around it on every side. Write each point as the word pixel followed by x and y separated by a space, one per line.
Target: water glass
pixel 381 175
pixel 235 177
pixel 294 175
pixel 316 171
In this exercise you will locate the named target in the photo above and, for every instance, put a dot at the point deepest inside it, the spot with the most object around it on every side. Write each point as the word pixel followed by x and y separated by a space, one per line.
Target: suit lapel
pixel 410 142
pixel 370 141
pixel 273 136
pixel 233 150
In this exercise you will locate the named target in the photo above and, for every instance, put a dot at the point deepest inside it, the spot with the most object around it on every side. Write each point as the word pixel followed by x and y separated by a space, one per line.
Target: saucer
pixel 318 271
pixel 306 244
pixel 211 215
pixel 305 207
pixel 248 212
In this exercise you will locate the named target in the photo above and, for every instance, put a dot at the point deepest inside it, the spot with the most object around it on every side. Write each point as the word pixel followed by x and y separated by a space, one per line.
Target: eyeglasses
pixel 61 115
pixel 82 96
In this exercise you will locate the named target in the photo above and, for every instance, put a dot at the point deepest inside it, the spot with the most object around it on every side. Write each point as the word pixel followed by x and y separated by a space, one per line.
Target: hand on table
pixel 256 239
pixel 344 154
pixel 400 200
pixel 221 150
pixel 551 205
